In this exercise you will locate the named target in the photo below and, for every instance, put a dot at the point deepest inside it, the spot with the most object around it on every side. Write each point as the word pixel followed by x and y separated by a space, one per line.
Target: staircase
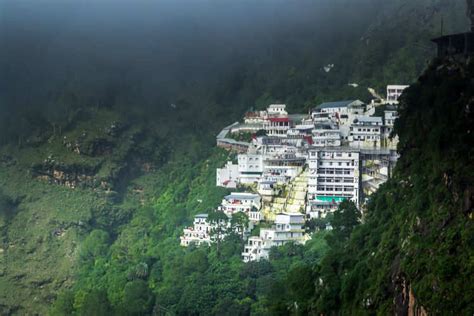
pixel 293 200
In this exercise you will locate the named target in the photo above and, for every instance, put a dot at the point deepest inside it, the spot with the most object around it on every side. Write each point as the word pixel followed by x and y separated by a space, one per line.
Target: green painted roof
pixel 330 198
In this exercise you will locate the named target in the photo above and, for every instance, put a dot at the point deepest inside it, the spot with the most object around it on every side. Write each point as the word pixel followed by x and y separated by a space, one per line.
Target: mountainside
pixel 413 253
pixel 99 173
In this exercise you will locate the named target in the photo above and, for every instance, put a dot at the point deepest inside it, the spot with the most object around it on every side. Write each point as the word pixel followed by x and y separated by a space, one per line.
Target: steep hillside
pixel 98 178
pixel 413 253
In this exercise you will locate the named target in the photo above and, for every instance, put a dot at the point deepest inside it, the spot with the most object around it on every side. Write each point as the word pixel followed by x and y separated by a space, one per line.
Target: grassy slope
pixel 39 256
pixel 35 263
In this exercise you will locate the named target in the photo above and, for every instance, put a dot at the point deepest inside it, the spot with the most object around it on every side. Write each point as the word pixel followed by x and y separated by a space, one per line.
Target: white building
pixel 336 108
pixel 197 234
pixel 390 115
pixel 250 166
pixel 288 227
pixel 326 135
pixel 394 92
pixel 228 176
pixel 277 110
pixel 288 165
pixel 277 126
pixel 267 188
pixel 241 202
pixel 366 131
pixel 334 176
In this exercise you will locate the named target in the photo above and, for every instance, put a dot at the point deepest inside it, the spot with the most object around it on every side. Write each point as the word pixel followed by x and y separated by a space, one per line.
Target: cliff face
pixel 437 173
pixel 416 245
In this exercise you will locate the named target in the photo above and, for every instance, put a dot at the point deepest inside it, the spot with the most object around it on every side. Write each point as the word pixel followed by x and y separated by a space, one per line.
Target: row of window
pixel 329 154
pixel 358 137
pixel 336 180
pixel 367 130
pixel 338 164
pixel 333 171
pixel 335 188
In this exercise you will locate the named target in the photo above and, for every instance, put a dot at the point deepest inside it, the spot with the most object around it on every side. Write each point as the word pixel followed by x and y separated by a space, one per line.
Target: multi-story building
pixel 277 122
pixel 277 126
pixel 277 110
pixel 288 227
pixel 394 92
pixel 337 108
pixel 228 176
pixel 366 131
pixel 197 234
pixel 333 177
pixel 201 231
pixel 250 166
pixel 325 135
pixel 288 165
pixel 390 115
pixel 240 202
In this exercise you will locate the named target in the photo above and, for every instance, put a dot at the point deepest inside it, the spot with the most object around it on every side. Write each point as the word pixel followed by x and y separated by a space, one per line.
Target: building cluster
pixel 302 166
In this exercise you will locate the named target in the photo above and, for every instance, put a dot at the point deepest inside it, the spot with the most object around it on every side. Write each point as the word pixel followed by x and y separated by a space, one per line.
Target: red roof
pixel 279 119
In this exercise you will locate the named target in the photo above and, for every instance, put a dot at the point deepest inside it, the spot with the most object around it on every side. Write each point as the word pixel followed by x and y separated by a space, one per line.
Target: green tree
pixel 138 299
pixel 345 219
pixel 95 303
pixel 239 223
pixel 219 224
pixel 95 245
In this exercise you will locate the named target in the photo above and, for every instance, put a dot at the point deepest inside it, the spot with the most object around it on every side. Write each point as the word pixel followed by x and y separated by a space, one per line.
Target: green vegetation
pixel 416 236
pixel 113 247
pixel 242 137
pixel 418 232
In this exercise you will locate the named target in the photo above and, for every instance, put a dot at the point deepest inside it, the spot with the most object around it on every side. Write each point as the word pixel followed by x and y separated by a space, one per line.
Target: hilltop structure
pixel 302 166
pixel 458 45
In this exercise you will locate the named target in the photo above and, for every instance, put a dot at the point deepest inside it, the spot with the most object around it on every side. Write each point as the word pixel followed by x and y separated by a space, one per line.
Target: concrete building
pixel 390 115
pixel 394 92
pixel 334 176
pixel 228 143
pixel 267 188
pixel 277 126
pixel 240 202
pixel 326 135
pixel 366 131
pixel 288 227
pixel 337 108
pixel 197 234
pixel 250 166
pixel 288 165
pixel 277 110
pixel 227 177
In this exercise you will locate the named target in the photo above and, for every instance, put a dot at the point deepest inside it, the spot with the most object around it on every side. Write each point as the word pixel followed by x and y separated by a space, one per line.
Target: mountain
pixel 413 253
pixel 104 159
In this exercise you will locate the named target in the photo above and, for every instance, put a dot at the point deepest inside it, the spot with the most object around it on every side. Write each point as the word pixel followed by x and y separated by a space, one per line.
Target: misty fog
pixel 153 48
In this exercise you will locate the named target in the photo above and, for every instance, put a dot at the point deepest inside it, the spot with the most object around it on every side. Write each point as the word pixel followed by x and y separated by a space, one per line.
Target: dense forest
pixel 105 157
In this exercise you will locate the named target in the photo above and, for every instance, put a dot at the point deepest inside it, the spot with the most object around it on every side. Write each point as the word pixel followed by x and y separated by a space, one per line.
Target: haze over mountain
pixel 151 52
pixel 108 117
